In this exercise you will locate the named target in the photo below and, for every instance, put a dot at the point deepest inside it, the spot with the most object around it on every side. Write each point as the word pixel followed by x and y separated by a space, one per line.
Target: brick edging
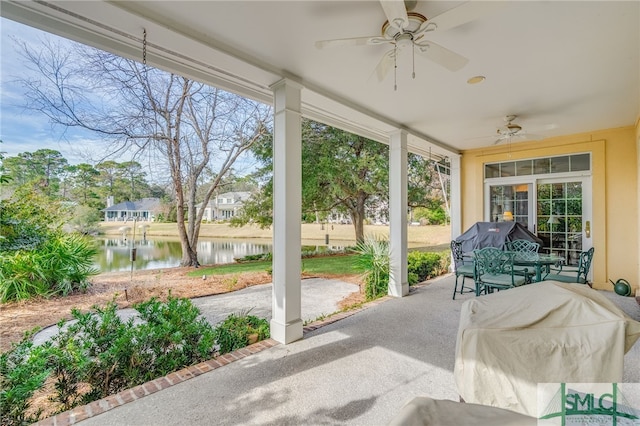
pixel 105 404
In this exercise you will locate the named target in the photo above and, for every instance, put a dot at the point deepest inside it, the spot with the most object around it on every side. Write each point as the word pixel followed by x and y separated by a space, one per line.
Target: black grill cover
pixel 494 234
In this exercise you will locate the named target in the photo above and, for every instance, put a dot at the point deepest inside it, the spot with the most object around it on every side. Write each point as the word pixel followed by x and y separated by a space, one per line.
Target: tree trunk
pixel 358 224
pixel 357 216
pixel 189 250
pixel 189 256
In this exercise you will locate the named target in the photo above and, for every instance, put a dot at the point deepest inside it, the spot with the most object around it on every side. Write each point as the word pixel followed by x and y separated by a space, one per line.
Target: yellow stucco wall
pixel 638 175
pixel 615 187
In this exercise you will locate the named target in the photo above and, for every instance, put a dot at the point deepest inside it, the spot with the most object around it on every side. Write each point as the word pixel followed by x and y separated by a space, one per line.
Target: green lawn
pixel 337 265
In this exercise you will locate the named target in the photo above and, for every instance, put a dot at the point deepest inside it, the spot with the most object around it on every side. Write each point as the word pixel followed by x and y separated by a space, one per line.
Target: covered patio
pixel 492 88
pixel 359 370
pixel 489 87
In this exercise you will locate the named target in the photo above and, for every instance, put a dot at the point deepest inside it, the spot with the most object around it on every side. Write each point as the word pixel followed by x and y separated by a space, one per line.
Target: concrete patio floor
pixel 359 370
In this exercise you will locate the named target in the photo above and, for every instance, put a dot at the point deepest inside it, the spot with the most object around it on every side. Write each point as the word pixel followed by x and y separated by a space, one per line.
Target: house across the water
pixel 223 206
pixel 144 210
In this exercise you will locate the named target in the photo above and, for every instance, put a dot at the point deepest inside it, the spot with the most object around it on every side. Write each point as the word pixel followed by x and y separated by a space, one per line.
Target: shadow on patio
pixel 359 370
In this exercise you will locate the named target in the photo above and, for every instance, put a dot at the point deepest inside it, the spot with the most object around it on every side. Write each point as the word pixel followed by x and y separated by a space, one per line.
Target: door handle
pixel 587 229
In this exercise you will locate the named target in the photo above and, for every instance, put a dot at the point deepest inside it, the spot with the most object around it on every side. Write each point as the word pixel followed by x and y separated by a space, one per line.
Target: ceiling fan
pixel 512 131
pixel 407 29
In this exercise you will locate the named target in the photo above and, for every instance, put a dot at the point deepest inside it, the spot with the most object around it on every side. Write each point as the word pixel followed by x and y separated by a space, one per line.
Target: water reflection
pixel 114 254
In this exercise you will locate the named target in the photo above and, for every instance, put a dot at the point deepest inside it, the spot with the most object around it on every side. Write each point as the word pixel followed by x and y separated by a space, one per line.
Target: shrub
pixel 20 277
pixel 178 335
pixel 99 354
pixel 373 257
pixel 116 355
pixel 413 278
pixel 26 220
pixel 234 332
pixel 23 370
pixel 437 216
pixel 58 266
pixel 425 265
pixel 255 257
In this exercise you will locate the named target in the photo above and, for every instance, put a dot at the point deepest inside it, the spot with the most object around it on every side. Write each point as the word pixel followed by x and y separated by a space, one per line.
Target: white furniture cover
pixel 547 332
pixel 424 411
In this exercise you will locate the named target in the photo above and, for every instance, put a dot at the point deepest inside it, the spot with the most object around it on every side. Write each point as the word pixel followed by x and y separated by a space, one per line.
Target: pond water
pixel 152 253
pixel 166 252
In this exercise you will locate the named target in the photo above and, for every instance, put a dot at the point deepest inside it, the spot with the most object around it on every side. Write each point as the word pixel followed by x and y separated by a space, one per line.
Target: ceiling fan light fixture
pixel 509 130
pixel 404 40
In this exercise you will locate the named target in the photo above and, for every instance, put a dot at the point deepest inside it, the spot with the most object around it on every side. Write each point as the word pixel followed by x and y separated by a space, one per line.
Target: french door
pixel 557 210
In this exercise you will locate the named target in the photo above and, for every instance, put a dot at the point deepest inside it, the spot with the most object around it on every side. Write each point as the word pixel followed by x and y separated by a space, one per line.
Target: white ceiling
pixel 561 67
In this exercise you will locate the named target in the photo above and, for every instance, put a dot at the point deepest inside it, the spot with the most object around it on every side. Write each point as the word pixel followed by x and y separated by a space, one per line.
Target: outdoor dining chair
pixel 462 268
pixel 523 246
pixel 494 270
pixel 574 274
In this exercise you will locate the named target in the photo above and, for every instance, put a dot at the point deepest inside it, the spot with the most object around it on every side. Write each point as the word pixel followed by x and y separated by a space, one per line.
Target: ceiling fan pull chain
pixel 413 61
pixel 395 67
pixel 144 46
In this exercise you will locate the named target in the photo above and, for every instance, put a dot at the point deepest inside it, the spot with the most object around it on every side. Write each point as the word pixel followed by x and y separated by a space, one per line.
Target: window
pixel 539 166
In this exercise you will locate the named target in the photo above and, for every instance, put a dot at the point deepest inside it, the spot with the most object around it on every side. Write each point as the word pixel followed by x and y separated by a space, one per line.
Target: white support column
pixel 286 324
pixel 398 283
pixel 455 198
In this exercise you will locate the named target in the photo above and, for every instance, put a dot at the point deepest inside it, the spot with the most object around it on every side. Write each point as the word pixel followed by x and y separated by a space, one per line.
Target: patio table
pixel 537 260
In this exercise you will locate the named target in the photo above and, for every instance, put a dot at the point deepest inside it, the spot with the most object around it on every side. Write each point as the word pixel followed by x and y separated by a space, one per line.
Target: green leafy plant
pixel 255 257
pixel 413 278
pixel 235 331
pixel 177 333
pixel 68 262
pixel 373 258
pixel 425 265
pixel 98 350
pixel 68 363
pixel 59 266
pixel 23 371
pixel 100 354
pixel 20 276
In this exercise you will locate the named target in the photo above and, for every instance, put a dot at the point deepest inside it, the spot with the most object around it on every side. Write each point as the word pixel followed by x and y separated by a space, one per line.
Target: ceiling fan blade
pixel 529 137
pixel 466 12
pixel 441 55
pixel 396 13
pixel 520 136
pixel 355 41
pixel 385 64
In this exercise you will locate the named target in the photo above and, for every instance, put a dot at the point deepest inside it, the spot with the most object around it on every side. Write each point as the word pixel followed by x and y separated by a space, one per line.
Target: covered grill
pixel 494 234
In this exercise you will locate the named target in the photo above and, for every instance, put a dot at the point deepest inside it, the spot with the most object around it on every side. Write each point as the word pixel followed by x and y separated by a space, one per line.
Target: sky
pixel 23 130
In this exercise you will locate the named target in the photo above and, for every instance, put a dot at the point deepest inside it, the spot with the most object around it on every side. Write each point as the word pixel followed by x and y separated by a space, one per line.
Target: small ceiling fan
pixel 512 131
pixel 407 29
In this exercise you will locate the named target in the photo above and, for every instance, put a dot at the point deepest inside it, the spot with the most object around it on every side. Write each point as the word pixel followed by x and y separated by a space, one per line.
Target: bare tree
pixel 195 130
